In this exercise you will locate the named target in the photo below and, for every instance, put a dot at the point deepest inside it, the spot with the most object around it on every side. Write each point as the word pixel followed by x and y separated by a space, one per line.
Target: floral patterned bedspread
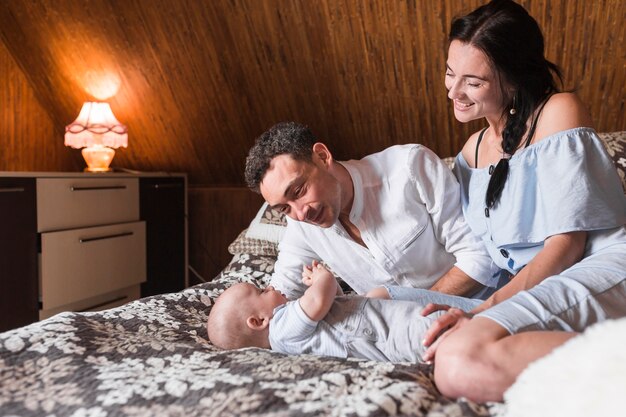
pixel 152 357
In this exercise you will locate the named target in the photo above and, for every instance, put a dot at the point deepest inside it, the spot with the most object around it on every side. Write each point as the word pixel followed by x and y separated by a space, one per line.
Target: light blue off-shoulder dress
pixel 563 183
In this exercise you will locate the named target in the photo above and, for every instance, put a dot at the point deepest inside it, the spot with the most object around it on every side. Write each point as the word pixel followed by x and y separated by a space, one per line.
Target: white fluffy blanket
pixel 584 377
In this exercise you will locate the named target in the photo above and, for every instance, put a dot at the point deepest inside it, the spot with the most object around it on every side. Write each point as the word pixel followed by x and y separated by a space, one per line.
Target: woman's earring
pixel 513 110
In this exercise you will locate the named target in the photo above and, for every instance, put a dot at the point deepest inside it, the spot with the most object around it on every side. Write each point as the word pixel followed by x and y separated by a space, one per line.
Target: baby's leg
pixel 425 297
pixel 378 292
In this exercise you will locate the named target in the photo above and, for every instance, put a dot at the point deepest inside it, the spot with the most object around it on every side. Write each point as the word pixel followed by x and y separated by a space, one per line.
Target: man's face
pixel 305 191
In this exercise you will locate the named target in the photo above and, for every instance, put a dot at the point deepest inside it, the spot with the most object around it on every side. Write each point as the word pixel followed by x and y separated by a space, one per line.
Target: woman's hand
pixel 441 327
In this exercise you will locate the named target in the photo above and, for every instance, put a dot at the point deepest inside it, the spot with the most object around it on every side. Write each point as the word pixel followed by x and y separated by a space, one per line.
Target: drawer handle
pixel 105 187
pixel 91 239
pixel 123 297
pixel 166 185
pixel 12 190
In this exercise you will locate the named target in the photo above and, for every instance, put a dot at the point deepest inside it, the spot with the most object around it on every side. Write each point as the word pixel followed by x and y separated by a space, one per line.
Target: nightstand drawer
pixel 98 303
pixel 66 203
pixel 82 263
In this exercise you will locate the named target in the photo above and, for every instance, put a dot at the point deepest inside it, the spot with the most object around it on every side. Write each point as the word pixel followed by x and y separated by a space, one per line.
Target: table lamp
pixel 98 132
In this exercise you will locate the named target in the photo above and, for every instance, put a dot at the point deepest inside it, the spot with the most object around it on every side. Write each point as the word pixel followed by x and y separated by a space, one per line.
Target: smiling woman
pixel 529 191
pixel 473 86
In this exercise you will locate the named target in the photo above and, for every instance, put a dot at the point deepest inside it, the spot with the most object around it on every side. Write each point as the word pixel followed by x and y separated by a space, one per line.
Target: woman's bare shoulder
pixel 469 149
pixel 563 111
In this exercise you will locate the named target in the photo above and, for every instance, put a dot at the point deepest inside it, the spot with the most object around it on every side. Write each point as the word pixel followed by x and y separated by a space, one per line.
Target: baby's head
pixel 241 316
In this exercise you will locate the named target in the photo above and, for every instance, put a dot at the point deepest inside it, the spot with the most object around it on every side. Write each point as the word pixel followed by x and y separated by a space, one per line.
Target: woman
pixel 541 192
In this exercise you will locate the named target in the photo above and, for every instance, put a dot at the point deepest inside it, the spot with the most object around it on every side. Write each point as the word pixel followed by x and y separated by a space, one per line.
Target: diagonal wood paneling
pixel 29 139
pixel 199 79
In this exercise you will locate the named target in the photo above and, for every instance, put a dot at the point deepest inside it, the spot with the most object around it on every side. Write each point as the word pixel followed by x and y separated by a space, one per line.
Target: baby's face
pixel 265 300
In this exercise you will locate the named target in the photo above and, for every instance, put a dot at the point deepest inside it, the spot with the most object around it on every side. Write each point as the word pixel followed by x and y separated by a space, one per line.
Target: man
pixel 392 218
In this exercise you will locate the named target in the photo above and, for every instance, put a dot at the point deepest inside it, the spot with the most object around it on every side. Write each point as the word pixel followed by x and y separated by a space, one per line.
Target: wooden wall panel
pixel 198 80
pixel 216 217
pixel 29 140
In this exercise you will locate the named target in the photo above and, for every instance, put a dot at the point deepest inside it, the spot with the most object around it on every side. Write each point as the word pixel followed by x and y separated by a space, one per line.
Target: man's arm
pixel 456 282
pixel 293 252
pixel 440 192
pixel 319 297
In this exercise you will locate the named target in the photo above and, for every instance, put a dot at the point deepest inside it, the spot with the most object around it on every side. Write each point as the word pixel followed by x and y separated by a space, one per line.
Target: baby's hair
pixel 227 326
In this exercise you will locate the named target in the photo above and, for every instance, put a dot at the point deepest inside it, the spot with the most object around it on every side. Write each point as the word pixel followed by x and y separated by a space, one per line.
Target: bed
pixel 152 357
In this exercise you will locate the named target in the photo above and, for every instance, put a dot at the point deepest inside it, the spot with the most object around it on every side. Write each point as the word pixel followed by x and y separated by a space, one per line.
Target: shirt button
pixel 504 253
pixel 367 332
pixel 486 212
pixel 349 328
pixel 491 168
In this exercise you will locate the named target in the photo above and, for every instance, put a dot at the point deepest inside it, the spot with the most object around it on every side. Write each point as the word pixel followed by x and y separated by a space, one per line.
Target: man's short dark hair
pixel 289 138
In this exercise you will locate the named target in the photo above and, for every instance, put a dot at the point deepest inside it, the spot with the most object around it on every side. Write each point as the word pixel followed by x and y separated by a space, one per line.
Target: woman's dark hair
pixel 512 41
pixel 289 138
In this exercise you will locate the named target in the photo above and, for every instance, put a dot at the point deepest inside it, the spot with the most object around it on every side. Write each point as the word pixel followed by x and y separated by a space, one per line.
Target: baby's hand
pixel 308 273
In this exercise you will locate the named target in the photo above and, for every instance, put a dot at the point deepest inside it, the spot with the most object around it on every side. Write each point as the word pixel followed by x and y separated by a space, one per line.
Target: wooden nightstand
pixel 81 242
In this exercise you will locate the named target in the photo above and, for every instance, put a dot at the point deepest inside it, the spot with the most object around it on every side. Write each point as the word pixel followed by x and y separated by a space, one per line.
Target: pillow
pixel 449 161
pixel 243 244
pixel 245 267
pixel 263 234
pixel 268 224
pixel 615 144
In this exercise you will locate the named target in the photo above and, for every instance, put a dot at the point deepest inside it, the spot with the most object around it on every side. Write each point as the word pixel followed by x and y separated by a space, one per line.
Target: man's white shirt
pixel 407 208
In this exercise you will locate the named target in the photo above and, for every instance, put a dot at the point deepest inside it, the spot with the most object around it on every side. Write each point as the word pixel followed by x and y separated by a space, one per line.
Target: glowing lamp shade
pixel 97 131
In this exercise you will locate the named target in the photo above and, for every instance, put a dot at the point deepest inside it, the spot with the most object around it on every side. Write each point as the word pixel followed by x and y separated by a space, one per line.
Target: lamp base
pixel 98 158
pixel 87 169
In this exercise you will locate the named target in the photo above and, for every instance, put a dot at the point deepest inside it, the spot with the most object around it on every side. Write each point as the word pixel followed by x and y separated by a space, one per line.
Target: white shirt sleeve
pixel 440 192
pixel 293 253
pixel 290 329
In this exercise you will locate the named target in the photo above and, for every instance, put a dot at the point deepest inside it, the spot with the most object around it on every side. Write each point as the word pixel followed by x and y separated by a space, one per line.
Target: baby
pixel 319 322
